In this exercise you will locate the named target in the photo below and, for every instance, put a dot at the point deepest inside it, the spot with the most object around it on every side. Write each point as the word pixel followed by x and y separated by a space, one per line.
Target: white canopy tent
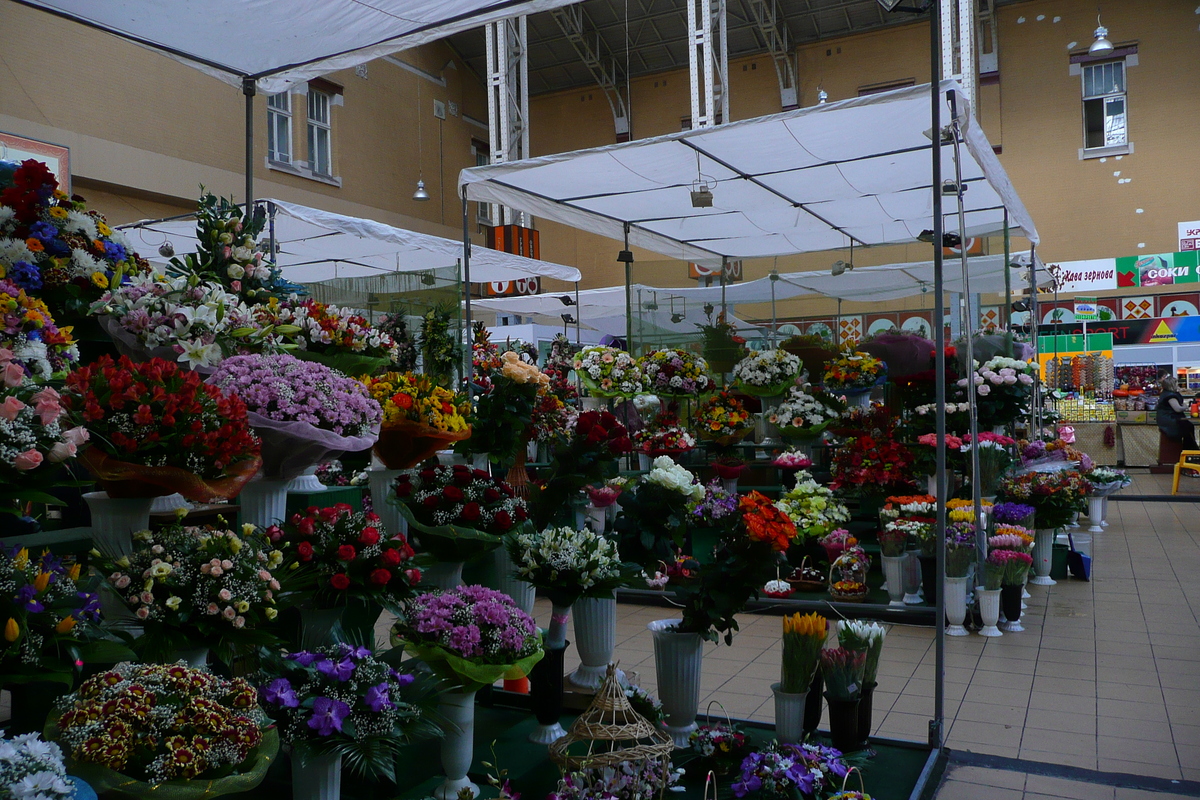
pixel 856 172
pixel 277 44
pixel 315 245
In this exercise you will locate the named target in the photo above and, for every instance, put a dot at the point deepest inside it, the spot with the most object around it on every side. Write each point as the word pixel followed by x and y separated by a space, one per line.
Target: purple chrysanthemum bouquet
pixel 471 634
pixel 342 700
pixel 304 411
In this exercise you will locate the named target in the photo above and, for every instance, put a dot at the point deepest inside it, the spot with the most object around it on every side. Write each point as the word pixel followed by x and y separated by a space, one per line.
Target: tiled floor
pixel 1105 677
pixel 976 783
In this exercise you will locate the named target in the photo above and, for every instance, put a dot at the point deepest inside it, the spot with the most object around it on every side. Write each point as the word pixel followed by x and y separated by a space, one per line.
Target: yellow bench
pixel 1182 464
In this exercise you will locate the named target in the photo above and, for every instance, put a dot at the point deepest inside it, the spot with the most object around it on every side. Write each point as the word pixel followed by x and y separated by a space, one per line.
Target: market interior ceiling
pixel 657 35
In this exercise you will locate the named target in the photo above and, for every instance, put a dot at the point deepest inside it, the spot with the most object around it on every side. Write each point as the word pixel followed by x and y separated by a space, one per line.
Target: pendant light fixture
pixel 420 195
pixel 1102 45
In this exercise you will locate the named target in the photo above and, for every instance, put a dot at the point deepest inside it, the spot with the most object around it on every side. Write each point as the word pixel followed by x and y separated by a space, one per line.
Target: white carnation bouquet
pixel 805 414
pixel 765 373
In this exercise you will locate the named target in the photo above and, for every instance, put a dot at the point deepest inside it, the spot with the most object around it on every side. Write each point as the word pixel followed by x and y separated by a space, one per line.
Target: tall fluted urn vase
pixel 678 658
pixel 1043 557
pixel 458 744
pixel 595 621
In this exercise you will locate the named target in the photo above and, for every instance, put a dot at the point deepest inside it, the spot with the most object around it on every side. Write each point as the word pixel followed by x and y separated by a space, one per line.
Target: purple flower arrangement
pixel 630 780
pixel 341 699
pixel 716 505
pixel 283 388
pixel 473 623
pixel 1011 513
pixel 783 771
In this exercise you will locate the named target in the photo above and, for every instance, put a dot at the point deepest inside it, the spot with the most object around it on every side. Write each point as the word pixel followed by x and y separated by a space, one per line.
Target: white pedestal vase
pixel 170 502
pixel 381 479
pixel 1104 512
pixel 458 745
pixel 444 575
pixel 264 501
pixel 912 580
pixel 318 778
pixel 596 518
pixel 729 485
pixel 595 639
pixel 307 481
pixel 114 520
pixel 789 715
pixel 765 433
pixel 1043 557
pixel 858 399
pixel 644 461
pixel 893 571
pixel 989 610
pixel 956 606
pixel 931 485
pixel 678 658
pixel 520 591
pixel 1096 514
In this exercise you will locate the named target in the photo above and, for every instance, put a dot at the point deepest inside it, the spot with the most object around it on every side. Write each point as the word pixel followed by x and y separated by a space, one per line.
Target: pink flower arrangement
pixel 952 442
pixel 791 460
pixel 604 496
pixel 471 622
pixel 987 436
pixel 32 433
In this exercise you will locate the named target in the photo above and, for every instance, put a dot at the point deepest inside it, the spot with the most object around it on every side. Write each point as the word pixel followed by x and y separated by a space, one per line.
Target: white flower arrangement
pixel 802 414
pixel 31 769
pixel 558 556
pixel 669 475
pixel 766 372
pixel 608 371
pixel 929 409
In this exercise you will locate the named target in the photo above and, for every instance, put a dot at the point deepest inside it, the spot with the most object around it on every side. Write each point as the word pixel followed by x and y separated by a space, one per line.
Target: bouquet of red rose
pixel 583 456
pixel 459 513
pixel 157 428
pixel 333 554
pixel 867 463
pixel 665 436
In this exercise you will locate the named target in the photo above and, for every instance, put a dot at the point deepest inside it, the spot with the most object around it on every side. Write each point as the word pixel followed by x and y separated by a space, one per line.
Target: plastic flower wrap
pixel 853 370
pixel 303 411
pixel 605 495
pixel 419 417
pixel 642 779
pixel 865 637
pixel 51 245
pixel 766 372
pixel 341 700
pixel 45 609
pixel 30 338
pixel 457 512
pixel 812 508
pixel 674 373
pixel 1055 496
pixel 805 413
pixel 608 372
pixel 803 638
pixel 1106 480
pixel 785 771
pixel 843 672
pixel 157 425
pixel 160 723
pixel 723 419
pixel 31 769
pixel 332 554
pixel 470 633
pixel 197 587
pixel 1003 389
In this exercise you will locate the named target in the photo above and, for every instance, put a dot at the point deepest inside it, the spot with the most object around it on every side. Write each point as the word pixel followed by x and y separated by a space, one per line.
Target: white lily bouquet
pixel 568 564
pixel 765 373
pixel 31 769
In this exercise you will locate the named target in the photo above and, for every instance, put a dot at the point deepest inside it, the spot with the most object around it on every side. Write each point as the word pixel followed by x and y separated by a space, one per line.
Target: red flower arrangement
pixel 765 522
pixel 458 512
pixel 599 433
pixel 335 553
pixel 157 428
pixel 871 464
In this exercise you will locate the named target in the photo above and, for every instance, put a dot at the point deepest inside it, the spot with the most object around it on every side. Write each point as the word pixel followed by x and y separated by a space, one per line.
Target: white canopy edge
pixel 280 44
pixel 316 245
pixel 802 181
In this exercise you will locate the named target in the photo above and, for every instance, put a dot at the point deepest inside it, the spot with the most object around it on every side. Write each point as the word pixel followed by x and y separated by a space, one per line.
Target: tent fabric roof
pixel 284 43
pixel 316 245
pixel 808 180
pixel 864 284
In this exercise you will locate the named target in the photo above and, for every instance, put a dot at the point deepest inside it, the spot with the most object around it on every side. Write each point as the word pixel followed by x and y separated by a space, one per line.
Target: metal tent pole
pixel 626 257
pixel 469 357
pixel 939 637
pixel 1007 279
pixel 249 89
pixel 578 314
pixel 1035 413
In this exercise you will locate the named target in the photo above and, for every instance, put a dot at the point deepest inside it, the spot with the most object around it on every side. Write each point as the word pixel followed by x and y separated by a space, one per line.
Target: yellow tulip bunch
pixel 803 637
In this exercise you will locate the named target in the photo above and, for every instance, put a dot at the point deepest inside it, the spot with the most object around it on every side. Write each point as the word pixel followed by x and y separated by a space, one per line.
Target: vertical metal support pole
pixel 774 321
pixel 578 314
pixel 628 295
pixel 1007 277
pixel 249 89
pixel 939 688
pixel 1035 413
pixel 469 357
pixel 724 269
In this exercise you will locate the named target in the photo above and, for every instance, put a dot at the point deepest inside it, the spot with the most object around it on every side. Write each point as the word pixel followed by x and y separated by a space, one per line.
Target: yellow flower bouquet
pixel 419 417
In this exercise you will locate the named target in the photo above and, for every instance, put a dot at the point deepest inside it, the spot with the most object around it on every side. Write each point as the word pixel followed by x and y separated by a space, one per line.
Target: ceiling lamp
pixel 840 267
pixel 1102 45
pixel 702 196
pixel 420 195
pixel 822 97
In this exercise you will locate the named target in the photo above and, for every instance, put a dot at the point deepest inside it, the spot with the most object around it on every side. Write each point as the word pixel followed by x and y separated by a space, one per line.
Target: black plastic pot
pixel 843 724
pixel 1010 602
pixel 812 704
pixel 546 687
pixel 864 715
pixel 929 583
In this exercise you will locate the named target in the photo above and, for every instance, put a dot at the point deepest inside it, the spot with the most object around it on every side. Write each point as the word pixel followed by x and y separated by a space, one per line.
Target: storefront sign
pixel 1164 269
pixel 733 271
pixel 1189 236
pixel 1085 276
pixel 1158 330
pixel 1085 309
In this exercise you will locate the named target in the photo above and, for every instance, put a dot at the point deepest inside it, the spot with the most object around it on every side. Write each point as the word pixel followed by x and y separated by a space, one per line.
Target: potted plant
pixel 457 514
pixel 843 671
pixel 303 413
pixel 721 344
pixel 340 706
pixel 206 736
pixel 470 635
pixel 334 558
pixel 803 638
pixel 567 564
pixel 197 589
pixel 156 429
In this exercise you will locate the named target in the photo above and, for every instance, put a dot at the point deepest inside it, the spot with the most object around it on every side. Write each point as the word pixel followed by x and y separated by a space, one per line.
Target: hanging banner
pixel 1084 276
pixel 1156 330
pixel 1189 236
pixel 1164 269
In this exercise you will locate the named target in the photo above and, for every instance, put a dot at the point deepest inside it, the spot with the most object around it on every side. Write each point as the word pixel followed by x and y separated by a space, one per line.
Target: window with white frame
pixel 279 127
pixel 480 151
pixel 1105 109
pixel 320 133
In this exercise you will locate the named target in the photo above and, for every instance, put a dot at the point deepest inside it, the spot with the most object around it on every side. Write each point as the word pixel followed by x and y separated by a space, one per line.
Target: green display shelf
pixel 351 495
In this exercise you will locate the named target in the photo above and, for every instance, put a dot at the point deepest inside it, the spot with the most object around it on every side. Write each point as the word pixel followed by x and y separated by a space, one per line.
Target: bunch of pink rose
pixel 32 429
